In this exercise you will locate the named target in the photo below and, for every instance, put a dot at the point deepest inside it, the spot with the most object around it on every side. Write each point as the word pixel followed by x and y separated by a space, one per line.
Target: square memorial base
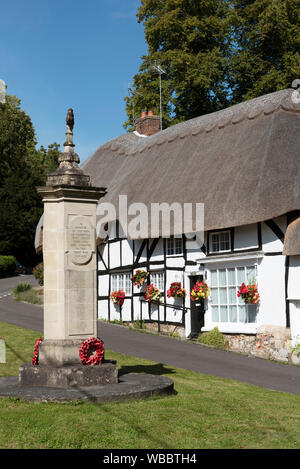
pixel 58 353
pixel 69 376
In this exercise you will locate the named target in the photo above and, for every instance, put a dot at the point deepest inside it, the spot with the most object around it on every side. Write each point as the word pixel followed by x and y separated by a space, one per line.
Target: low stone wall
pixel 168 329
pixel 270 342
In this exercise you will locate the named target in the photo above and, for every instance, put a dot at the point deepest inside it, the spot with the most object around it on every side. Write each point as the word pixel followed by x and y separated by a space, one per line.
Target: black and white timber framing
pixel 258 245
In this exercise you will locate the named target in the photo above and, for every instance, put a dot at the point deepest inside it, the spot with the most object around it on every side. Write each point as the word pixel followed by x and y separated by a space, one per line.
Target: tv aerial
pixel 156 67
pixel 132 93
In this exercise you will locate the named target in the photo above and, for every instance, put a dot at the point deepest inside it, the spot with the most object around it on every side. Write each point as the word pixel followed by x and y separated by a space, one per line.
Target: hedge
pixel 7 265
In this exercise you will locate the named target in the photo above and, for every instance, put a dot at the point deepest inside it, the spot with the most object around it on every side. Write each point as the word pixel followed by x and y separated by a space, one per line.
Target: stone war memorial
pixel 69 363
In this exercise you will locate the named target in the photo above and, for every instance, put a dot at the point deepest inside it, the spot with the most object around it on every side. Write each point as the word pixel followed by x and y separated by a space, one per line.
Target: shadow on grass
pixel 15 352
pixel 157 369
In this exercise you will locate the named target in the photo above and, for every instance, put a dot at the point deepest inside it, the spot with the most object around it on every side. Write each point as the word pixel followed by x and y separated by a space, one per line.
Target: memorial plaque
pixel 2 351
pixel 80 240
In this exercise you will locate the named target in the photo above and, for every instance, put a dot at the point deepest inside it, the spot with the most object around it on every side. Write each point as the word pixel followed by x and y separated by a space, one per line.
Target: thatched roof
pixel 242 162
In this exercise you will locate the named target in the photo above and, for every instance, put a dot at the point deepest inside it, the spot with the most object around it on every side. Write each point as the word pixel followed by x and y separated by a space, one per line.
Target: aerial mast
pixel 158 69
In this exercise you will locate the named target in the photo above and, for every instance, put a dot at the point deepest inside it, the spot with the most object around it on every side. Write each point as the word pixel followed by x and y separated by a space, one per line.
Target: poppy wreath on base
pixel 91 351
pixel 35 359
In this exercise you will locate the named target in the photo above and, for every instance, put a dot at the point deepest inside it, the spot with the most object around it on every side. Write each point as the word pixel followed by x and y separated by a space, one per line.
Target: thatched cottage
pixel 243 164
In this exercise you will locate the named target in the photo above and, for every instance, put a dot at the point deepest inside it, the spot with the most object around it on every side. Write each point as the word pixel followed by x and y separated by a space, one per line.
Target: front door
pixel 197 309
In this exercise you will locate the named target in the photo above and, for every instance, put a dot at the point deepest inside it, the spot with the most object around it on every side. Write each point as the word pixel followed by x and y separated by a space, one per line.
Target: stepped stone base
pixel 68 376
pixel 129 386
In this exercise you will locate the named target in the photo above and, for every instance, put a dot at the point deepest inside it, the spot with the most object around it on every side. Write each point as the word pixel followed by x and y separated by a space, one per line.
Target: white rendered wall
pixel 295 321
pixel 294 298
pixel 271 283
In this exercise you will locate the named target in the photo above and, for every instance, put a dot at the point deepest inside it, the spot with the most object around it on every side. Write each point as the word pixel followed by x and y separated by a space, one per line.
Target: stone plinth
pixel 68 376
pixel 70 271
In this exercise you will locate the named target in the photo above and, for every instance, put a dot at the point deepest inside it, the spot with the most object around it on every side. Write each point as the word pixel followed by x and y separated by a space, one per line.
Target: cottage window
pixel 174 246
pixel 219 241
pixel 225 305
pixel 158 280
pixel 121 282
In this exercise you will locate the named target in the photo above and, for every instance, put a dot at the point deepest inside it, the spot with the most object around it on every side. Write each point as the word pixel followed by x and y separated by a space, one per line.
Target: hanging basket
pixel 200 291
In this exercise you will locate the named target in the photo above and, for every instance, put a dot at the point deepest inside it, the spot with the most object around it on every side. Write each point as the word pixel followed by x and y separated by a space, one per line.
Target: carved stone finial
pixel 69 132
pixel 70 119
pixel 68 172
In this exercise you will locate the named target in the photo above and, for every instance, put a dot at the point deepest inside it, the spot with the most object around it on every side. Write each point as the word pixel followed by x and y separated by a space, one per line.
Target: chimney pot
pixel 147 124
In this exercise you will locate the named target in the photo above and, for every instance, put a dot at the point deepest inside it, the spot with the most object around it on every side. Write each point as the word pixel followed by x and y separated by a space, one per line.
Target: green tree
pixel 215 53
pixel 22 168
pixel 187 38
pixel 44 161
pixel 265 47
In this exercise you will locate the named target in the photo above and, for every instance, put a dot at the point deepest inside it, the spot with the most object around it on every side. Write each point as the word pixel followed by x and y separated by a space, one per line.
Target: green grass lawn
pixel 206 413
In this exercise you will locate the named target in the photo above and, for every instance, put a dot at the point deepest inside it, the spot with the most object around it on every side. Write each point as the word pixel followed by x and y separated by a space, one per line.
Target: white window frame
pixel 121 281
pixel 247 260
pixel 158 279
pixel 174 246
pixel 218 234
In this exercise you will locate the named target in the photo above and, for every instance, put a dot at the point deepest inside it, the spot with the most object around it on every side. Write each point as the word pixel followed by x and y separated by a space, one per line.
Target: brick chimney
pixel 147 124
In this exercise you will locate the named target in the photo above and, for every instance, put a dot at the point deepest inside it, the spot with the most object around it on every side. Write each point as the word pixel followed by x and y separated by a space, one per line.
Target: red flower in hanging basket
pixel 152 294
pixel 117 297
pixel 139 278
pixel 248 293
pixel 200 291
pixel 176 291
pixel 35 359
pixel 91 351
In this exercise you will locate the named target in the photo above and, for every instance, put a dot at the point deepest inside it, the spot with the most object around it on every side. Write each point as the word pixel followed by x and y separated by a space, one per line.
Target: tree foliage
pixel 186 38
pixel 22 168
pixel 266 47
pixel 215 53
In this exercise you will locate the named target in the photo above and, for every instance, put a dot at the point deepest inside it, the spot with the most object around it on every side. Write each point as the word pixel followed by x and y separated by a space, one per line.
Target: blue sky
pixel 56 54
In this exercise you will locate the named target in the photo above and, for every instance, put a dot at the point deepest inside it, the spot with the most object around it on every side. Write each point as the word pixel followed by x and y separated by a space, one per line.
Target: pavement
pixel 171 352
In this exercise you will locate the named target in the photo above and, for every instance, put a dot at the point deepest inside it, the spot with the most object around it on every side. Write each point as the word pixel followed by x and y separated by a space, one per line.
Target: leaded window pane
pixel 222 278
pixel 252 312
pixel 223 313
pixel 242 313
pixel 214 296
pixel 232 313
pixel 223 296
pixel 214 278
pixel 251 274
pixel 231 276
pixel 232 295
pixel 241 275
pixel 215 313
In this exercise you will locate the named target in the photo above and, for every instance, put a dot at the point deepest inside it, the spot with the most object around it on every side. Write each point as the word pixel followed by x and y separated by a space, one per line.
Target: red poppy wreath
pixel 91 351
pixel 35 359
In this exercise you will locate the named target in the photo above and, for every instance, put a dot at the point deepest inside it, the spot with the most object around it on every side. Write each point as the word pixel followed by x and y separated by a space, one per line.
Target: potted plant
pixel 139 278
pixel 175 291
pixel 248 293
pixel 117 297
pixel 200 291
pixel 152 294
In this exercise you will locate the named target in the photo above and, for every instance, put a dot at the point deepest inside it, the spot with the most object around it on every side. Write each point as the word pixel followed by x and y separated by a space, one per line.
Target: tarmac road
pixel 171 352
pixel 8 284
